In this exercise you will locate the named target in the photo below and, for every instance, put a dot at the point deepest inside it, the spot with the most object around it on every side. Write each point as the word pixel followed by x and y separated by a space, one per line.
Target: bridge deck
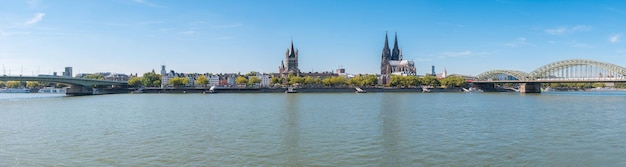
pixel 66 80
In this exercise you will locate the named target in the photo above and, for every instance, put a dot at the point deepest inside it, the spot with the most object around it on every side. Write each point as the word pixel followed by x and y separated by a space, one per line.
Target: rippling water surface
pixel 325 129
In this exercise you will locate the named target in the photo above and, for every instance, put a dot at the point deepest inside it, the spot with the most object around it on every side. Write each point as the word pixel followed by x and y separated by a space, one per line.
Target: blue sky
pixel 466 37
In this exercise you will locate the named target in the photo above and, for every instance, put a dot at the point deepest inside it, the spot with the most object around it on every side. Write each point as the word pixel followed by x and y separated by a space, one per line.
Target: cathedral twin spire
pixel 396 54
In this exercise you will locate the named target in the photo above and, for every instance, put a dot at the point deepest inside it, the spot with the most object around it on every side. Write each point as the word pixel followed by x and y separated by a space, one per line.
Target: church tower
pixel 396 54
pixel 291 56
pixel 384 64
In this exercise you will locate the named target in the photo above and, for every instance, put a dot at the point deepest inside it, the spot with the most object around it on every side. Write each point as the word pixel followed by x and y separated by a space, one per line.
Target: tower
pixel 164 77
pixel 291 56
pixel 396 54
pixel 386 56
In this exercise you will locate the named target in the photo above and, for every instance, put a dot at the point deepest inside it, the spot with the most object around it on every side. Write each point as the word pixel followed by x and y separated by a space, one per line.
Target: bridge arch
pixel 578 68
pixel 519 75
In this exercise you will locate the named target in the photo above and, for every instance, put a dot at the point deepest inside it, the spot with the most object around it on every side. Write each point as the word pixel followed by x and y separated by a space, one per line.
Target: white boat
pixel 547 89
pixel 359 90
pixel 212 89
pixel 291 90
pixel 15 90
pixel 472 90
pixel 425 90
pixel 52 90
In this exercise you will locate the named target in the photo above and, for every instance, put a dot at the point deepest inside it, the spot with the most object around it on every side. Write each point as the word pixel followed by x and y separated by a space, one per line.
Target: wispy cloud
pixel 224 38
pixel 566 30
pixel 467 53
pixel 422 59
pixel 521 41
pixel 227 26
pixel 38 17
pixel 145 2
pixel 5 33
pixel 616 10
pixel 33 4
pixel 188 32
pixel 615 37
pixel 582 45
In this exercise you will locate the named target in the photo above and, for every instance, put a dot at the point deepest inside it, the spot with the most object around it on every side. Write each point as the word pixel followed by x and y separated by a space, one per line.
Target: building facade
pixel 67 72
pixel 291 56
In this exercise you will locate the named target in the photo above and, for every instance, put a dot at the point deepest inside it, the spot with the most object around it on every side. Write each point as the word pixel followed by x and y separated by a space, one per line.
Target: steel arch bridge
pixel 518 75
pixel 66 80
pixel 566 70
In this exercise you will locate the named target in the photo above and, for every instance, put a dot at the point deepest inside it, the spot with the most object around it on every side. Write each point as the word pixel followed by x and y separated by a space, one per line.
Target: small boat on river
pixel 291 90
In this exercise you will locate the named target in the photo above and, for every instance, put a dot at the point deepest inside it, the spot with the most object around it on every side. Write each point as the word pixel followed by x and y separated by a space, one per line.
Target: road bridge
pixel 78 86
pixel 566 71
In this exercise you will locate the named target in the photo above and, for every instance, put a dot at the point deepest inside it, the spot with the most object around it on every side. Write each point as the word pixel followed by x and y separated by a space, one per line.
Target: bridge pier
pixel 530 87
pixel 76 90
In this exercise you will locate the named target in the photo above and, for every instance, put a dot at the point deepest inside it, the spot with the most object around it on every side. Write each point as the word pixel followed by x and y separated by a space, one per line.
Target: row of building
pixel 220 80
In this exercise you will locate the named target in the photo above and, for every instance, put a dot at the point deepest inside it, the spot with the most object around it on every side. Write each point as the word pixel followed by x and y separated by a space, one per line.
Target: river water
pixel 316 129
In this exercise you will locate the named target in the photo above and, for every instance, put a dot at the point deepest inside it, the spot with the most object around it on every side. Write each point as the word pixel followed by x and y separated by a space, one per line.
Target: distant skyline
pixel 465 37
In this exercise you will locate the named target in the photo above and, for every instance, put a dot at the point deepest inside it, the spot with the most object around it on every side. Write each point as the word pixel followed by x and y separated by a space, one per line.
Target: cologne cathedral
pixel 392 62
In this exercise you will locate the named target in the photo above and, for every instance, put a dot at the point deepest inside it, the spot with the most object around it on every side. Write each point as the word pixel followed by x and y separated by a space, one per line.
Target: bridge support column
pixel 530 88
pixel 76 90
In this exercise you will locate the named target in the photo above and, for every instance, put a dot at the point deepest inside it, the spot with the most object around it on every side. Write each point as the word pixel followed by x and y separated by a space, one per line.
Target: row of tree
pixel 29 84
pixel 149 79
pixel 413 81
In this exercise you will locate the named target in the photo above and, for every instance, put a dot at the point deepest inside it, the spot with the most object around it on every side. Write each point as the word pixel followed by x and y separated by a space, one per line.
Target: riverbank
pixel 282 90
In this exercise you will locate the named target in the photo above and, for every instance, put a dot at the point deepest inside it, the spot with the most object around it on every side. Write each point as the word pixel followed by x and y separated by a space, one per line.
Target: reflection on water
pixel 389 108
pixel 321 129
pixel 292 126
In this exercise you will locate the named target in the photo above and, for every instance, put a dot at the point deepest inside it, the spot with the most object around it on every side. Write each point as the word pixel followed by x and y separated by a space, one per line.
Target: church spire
pixel 386 51
pixel 395 55
pixel 291 50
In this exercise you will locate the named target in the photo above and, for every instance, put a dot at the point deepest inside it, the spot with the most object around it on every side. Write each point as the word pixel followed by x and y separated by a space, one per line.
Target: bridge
pixel 78 86
pixel 566 71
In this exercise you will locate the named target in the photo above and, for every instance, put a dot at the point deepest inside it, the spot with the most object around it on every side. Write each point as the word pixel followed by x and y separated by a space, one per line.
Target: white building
pixel 214 80
pixel 265 80
pixel 192 80
pixel 164 77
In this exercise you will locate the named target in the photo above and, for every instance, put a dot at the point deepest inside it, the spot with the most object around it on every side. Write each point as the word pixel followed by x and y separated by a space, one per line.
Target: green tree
pixel 179 81
pixel 430 81
pixel 31 84
pixel 357 80
pixel 598 85
pixel 453 81
pixel 296 80
pixel 13 84
pixel 395 80
pixel 94 76
pixel 275 80
pixel 308 80
pixel 240 80
pixel 370 80
pixel 254 80
pixel 135 81
pixel 335 81
pixel 149 79
pixel 202 80
pixel 252 73
pixel 2 85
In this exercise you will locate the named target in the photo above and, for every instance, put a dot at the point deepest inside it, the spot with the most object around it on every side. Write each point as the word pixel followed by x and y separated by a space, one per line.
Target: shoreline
pixel 282 90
